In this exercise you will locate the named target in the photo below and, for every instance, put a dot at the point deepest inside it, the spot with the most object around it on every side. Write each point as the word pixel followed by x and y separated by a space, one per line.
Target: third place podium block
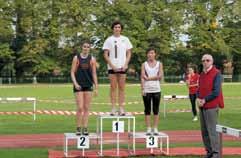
pixel 153 141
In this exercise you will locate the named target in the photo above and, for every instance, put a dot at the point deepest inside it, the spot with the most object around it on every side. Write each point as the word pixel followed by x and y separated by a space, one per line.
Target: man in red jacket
pixel 210 99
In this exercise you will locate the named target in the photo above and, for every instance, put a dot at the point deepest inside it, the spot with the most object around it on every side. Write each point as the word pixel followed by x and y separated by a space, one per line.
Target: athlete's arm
pixel 73 70
pixel 94 74
pixel 143 76
pixel 128 58
pixel 107 59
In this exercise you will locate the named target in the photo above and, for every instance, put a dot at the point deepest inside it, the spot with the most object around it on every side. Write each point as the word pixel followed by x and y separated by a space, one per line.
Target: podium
pixel 69 136
pixel 130 119
pixel 162 139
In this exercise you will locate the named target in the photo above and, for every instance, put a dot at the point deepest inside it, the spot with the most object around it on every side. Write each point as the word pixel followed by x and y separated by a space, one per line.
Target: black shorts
pixel 82 89
pixel 116 72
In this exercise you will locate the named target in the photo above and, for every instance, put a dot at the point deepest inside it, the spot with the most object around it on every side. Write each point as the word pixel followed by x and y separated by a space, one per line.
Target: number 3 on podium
pixel 83 142
pixel 151 142
pixel 118 126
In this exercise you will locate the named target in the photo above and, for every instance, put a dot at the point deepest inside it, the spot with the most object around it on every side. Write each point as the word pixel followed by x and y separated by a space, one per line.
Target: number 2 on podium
pixel 83 142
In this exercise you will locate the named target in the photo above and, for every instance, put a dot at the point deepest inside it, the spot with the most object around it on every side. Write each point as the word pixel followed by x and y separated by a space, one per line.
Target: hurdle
pixel 167 98
pixel 21 99
pixel 226 130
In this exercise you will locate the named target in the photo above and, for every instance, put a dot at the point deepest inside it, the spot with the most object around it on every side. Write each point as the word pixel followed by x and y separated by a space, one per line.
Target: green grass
pixel 24 153
pixel 48 94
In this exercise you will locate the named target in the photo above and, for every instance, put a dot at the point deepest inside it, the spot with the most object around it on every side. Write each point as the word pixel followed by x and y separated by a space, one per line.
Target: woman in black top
pixel 83 75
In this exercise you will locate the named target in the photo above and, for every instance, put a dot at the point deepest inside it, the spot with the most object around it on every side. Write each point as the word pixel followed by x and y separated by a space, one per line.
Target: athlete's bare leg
pixel 86 107
pixel 113 90
pixel 121 90
pixel 79 96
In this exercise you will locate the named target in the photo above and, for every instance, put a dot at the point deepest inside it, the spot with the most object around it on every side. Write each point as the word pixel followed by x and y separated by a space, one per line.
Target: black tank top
pixel 83 74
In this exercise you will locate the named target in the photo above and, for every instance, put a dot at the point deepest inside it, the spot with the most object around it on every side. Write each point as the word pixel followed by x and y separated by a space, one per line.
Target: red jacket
pixel 205 89
pixel 193 80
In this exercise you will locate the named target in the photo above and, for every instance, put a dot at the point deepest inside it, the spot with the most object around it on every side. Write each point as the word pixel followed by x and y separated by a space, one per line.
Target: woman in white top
pixel 151 74
pixel 117 53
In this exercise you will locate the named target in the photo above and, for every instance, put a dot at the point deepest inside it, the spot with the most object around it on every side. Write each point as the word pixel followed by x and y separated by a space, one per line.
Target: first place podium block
pixel 117 127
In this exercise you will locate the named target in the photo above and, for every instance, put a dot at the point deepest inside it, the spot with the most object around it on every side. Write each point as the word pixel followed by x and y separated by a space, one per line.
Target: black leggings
pixel 193 98
pixel 153 98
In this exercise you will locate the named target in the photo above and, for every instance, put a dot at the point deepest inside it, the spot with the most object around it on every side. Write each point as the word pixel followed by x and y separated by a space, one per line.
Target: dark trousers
pixel 193 98
pixel 208 120
pixel 154 100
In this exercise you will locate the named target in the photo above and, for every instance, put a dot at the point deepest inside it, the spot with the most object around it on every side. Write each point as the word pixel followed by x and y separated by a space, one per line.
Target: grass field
pixel 60 97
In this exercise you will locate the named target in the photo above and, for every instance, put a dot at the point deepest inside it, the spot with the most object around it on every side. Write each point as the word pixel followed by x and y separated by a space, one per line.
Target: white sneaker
pixel 155 131
pixel 113 111
pixel 195 118
pixel 122 112
pixel 148 131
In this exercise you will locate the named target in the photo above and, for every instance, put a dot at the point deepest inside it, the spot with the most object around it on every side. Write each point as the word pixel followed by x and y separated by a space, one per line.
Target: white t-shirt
pixel 152 86
pixel 117 47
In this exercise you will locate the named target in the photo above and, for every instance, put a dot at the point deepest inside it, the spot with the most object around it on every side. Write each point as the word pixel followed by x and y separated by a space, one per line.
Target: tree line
pixel 40 38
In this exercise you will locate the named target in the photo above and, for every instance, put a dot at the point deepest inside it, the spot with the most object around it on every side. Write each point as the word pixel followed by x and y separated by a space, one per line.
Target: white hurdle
pixel 21 99
pixel 167 98
pixel 226 130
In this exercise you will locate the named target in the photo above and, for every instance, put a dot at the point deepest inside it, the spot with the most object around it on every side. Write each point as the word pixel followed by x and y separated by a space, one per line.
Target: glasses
pixel 86 46
pixel 206 60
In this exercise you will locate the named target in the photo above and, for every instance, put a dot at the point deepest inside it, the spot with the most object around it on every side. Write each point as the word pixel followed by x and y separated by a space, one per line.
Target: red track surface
pixel 182 151
pixel 51 140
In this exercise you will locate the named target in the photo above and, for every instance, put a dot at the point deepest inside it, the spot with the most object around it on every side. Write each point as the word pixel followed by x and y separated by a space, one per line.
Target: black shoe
pixel 148 134
pixel 122 112
pixel 113 112
pixel 155 132
pixel 85 131
pixel 209 155
pixel 78 131
pixel 148 131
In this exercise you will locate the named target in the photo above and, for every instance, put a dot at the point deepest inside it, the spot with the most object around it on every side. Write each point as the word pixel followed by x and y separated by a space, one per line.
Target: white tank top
pixel 152 86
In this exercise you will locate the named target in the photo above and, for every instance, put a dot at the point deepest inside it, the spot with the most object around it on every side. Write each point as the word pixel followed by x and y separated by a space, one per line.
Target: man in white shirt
pixel 117 53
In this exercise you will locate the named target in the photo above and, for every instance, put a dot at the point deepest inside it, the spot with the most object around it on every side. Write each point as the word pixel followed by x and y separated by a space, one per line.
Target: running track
pixel 53 140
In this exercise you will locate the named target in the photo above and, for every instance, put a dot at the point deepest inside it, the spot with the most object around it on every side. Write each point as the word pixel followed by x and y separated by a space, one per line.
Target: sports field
pixel 60 98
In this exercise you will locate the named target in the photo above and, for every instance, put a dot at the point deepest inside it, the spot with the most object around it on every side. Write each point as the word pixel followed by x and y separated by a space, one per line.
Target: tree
pixel 6 60
pixel 43 36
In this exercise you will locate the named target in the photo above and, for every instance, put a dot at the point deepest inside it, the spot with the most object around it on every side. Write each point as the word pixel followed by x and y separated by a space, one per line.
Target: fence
pixel 101 79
